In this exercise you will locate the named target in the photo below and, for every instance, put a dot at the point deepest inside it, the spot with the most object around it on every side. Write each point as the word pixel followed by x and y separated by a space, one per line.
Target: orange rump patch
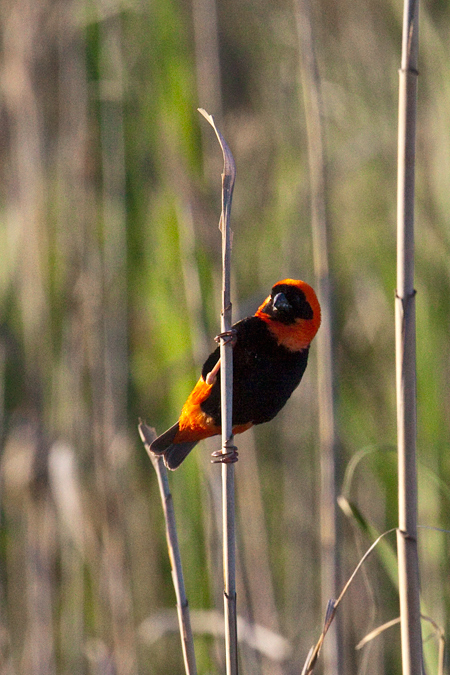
pixel 194 423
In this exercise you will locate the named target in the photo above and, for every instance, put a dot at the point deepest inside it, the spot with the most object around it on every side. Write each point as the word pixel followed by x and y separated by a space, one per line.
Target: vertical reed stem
pixel 184 620
pixel 312 100
pixel 226 381
pixel 411 637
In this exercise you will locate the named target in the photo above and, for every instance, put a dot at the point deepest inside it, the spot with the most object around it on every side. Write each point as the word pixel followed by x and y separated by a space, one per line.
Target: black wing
pixel 264 374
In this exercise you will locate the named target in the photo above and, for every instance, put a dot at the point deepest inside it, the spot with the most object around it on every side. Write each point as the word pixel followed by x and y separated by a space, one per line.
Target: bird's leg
pixel 211 376
pixel 227 336
pixel 229 457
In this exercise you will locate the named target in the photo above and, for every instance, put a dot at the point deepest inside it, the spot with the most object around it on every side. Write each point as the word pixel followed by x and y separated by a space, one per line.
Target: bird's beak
pixel 280 303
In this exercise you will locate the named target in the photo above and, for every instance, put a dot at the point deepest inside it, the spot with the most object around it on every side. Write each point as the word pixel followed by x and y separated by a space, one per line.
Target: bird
pixel 270 354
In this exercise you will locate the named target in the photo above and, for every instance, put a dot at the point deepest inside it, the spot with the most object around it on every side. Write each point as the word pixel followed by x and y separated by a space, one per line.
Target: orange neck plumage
pixel 299 335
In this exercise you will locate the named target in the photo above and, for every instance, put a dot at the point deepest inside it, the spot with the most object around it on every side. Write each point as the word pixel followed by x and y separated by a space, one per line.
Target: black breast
pixel 264 374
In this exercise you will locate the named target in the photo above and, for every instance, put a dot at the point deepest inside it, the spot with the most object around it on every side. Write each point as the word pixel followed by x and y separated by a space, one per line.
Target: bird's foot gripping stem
pixel 227 336
pixel 229 457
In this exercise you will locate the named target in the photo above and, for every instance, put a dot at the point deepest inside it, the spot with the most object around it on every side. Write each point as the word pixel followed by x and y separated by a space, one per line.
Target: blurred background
pixel 109 302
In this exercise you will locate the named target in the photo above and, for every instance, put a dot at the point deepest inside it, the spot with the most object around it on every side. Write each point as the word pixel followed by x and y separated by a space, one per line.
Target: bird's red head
pixel 292 313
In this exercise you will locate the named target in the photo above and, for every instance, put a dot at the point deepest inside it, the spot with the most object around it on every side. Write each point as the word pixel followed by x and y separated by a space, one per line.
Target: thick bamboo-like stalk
pixel 226 381
pixel 312 99
pixel 411 637
pixel 187 641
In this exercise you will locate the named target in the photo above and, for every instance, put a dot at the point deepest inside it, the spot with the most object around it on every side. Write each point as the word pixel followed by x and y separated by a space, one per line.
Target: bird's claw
pixel 227 336
pixel 229 457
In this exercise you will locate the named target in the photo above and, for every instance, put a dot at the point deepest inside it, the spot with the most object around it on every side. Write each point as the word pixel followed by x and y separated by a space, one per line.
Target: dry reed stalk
pixel 438 631
pixel 226 381
pixel 411 636
pixel 248 492
pixel 210 622
pixel 332 607
pixel 199 346
pixel 39 652
pixel 312 100
pixel 187 641
pixel 71 526
pixel 111 91
pixel 23 54
pixel 110 330
pixel 254 545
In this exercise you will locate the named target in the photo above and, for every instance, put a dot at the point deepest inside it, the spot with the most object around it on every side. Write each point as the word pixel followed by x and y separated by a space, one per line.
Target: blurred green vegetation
pixel 109 287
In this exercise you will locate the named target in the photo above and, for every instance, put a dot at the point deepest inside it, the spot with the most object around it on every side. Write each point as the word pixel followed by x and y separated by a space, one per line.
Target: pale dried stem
pixel 312 101
pixel 187 641
pixel 409 590
pixel 226 381
pixel 314 652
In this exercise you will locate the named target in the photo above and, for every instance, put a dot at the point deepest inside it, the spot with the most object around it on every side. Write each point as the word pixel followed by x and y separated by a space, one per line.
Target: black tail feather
pixel 173 453
pixel 160 444
pixel 176 453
